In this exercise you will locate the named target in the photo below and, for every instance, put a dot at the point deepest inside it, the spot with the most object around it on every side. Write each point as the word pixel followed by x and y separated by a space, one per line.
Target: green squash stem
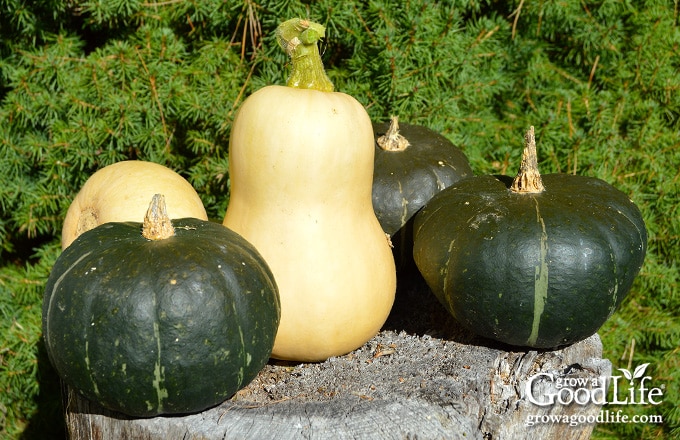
pixel 299 37
pixel 528 179
pixel 157 224
pixel 392 140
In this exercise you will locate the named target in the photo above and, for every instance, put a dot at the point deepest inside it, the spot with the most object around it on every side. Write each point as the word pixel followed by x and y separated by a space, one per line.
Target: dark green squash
pixel 172 321
pixel 411 164
pixel 538 261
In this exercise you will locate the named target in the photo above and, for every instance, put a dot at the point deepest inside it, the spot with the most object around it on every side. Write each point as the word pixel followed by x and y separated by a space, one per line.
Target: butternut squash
pixel 301 167
pixel 121 192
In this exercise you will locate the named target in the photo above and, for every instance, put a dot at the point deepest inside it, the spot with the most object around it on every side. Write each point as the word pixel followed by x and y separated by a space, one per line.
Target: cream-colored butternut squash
pixel 121 192
pixel 301 167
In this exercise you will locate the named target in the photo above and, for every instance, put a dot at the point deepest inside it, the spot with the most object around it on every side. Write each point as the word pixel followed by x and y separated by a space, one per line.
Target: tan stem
pixel 528 179
pixel 157 224
pixel 392 140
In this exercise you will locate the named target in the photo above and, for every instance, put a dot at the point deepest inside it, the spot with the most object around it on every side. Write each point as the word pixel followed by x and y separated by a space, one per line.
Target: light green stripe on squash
pixel 541 283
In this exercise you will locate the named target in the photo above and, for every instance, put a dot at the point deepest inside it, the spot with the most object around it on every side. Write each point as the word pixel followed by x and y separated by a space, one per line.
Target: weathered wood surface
pixel 408 382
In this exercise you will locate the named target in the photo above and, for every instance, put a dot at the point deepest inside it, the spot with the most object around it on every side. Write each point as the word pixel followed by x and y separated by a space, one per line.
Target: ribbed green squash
pixel 530 268
pixel 412 163
pixel 160 326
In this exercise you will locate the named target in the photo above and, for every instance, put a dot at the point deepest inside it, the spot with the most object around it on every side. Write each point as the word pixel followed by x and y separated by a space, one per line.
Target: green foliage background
pixel 86 83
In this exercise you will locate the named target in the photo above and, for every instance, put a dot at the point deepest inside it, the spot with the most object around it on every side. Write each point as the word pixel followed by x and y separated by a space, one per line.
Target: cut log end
pixel 396 386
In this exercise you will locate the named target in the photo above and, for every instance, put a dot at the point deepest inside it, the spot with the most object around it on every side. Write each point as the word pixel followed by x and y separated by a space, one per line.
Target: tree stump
pixel 421 377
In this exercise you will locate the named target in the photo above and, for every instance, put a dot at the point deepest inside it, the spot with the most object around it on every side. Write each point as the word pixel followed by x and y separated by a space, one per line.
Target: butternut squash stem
pixel 299 38
pixel 528 179
pixel 393 140
pixel 157 224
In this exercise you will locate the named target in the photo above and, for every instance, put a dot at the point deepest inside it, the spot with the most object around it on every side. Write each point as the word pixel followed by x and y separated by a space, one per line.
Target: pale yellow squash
pixel 301 167
pixel 121 192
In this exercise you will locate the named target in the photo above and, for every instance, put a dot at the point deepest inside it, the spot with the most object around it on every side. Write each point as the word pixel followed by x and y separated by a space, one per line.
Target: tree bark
pixel 397 386
pixel 422 377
